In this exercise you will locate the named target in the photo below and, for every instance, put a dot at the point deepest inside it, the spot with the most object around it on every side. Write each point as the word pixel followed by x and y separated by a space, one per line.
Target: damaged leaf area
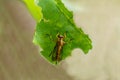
pixel 57 33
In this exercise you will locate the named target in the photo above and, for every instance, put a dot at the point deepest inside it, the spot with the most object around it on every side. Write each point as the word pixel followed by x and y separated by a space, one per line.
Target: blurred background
pixel 20 58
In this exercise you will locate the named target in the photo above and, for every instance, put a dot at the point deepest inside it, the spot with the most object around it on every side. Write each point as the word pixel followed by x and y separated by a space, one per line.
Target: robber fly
pixel 56 53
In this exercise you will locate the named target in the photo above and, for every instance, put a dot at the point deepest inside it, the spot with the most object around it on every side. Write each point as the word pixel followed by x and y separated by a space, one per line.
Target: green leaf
pixel 57 19
pixel 34 9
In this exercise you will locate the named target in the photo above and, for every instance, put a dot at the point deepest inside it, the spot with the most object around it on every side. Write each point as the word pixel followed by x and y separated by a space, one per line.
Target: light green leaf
pixel 57 19
pixel 34 9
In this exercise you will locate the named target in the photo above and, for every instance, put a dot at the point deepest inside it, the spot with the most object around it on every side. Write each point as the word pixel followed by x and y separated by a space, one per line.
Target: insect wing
pixel 53 53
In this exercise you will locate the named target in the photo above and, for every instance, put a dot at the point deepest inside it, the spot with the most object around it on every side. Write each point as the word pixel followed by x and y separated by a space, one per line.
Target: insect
pixel 56 53
pixel 57 50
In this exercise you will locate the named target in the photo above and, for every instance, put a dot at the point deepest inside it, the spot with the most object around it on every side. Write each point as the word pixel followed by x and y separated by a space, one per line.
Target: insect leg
pixel 53 53
pixel 70 39
pixel 54 50
pixel 57 34
pixel 50 37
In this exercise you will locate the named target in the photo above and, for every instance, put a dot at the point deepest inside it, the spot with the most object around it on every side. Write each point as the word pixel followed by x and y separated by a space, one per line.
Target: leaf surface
pixel 58 19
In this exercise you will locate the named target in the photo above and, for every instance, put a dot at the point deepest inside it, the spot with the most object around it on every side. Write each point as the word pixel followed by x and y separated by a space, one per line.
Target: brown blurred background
pixel 19 57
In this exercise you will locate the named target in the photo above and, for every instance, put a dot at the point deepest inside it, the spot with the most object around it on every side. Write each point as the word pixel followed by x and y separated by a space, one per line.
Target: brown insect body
pixel 56 53
pixel 59 45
